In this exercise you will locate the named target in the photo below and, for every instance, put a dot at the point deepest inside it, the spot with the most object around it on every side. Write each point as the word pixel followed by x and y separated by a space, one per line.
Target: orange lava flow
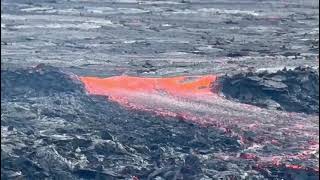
pixel 191 98
pixel 178 86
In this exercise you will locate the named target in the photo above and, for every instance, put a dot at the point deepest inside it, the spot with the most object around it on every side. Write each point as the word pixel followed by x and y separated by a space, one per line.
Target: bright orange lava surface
pixel 178 86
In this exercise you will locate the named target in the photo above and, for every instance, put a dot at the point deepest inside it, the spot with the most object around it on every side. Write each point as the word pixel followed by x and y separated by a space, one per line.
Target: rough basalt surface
pixel 160 38
pixel 294 90
pixel 51 129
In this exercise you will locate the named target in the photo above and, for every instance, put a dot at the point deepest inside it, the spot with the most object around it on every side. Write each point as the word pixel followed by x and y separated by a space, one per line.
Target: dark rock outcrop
pixel 294 90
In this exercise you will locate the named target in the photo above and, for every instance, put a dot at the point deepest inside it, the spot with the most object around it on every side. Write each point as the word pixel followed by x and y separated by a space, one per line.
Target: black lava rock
pixel 289 90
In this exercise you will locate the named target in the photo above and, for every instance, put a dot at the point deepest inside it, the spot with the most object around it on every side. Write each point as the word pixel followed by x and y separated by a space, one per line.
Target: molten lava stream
pixel 192 99
pixel 178 86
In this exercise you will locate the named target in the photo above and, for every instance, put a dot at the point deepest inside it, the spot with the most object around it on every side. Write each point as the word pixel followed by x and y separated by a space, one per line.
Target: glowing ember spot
pixel 248 156
pixel 294 166
pixel 135 178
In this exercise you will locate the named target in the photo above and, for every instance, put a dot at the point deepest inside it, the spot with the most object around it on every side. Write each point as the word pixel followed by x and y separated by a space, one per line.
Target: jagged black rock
pixel 294 90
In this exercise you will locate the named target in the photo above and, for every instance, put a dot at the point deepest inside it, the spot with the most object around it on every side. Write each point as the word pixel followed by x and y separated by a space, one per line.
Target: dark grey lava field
pixel 160 37
pixel 159 90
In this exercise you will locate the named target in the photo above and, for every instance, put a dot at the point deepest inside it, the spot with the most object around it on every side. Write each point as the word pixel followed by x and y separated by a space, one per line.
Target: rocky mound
pixel 294 90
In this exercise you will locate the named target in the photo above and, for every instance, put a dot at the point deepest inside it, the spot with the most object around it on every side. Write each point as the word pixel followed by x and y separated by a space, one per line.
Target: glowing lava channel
pixel 178 86
pixel 191 99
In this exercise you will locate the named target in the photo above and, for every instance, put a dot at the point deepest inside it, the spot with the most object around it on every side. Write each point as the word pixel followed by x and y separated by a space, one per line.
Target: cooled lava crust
pixel 54 127
pixel 294 90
